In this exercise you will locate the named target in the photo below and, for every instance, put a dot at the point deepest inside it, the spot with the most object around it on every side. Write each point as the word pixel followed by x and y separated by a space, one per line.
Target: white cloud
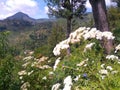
pixel 46 9
pixel 30 7
pixel 10 7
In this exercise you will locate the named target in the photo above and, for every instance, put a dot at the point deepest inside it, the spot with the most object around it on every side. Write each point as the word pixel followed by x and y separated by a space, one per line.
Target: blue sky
pixel 34 8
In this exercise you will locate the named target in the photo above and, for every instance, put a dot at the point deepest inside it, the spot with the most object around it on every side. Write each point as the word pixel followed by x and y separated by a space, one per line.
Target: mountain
pixel 21 16
pixel 21 21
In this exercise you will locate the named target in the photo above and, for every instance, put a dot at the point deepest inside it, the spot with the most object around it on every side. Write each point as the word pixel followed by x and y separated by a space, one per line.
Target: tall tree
pixel 66 9
pixel 101 22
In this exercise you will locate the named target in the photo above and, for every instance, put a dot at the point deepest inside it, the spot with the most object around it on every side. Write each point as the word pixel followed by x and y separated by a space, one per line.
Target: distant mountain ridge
pixel 25 17
pixel 21 20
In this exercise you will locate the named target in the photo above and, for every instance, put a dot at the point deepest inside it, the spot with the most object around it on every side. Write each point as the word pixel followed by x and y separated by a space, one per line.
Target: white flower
pixel 31 53
pixel 117 48
pixel 44 67
pixel 44 78
pixel 103 76
pixel 21 77
pixel 22 72
pixel 26 64
pixel 112 57
pixel 77 78
pixel 25 86
pixel 85 65
pixel 109 68
pixel 108 35
pixel 62 45
pixel 82 62
pixel 56 86
pixel 88 46
pixel 56 63
pixel 98 35
pixel 86 36
pixel 22 81
pixel 34 64
pixel 29 73
pixel 51 73
pixel 114 72
pixel 103 72
pixel 118 62
pixel 67 83
pixel 102 65
pixel 42 59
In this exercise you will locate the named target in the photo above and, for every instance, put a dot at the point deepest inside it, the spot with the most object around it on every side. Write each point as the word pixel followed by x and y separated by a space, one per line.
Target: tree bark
pixel 68 27
pixel 101 22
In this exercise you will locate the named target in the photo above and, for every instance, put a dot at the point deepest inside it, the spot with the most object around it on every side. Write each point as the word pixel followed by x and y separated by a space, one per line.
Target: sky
pixel 34 8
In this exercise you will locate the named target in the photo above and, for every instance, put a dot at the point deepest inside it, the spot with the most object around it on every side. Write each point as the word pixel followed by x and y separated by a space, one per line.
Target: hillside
pixel 21 27
pixel 24 28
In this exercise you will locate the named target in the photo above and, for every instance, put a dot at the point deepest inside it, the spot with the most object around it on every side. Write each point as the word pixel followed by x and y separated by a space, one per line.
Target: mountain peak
pixel 20 16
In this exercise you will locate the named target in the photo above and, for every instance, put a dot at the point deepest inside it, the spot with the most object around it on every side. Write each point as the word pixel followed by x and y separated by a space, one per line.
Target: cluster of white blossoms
pixel 23 72
pixel 103 72
pixel 56 63
pixel 117 48
pixel 106 70
pixel 26 64
pixel 82 33
pixel 29 73
pixel 88 47
pixel 82 62
pixel 62 45
pixel 25 86
pixel 67 83
pixel 44 78
pixel 37 63
pixel 109 68
pixel 112 57
pixel 56 86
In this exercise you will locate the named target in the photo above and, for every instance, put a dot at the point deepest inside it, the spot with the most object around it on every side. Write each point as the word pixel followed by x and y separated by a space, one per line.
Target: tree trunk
pixel 68 32
pixel 101 22
pixel 68 28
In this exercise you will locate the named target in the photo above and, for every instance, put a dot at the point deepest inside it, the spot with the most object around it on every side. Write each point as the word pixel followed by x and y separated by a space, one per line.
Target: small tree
pixel 66 9
pixel 4 47
pixel 57 35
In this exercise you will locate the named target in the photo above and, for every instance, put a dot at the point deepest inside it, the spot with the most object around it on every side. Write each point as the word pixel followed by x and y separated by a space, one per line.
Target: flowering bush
pixel 86 68
pixel 80 34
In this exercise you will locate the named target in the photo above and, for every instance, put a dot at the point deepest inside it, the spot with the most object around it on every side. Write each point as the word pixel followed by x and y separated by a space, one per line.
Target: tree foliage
pixel 66 8
pixel 4 47
pixel 118 3
pixel 114 17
